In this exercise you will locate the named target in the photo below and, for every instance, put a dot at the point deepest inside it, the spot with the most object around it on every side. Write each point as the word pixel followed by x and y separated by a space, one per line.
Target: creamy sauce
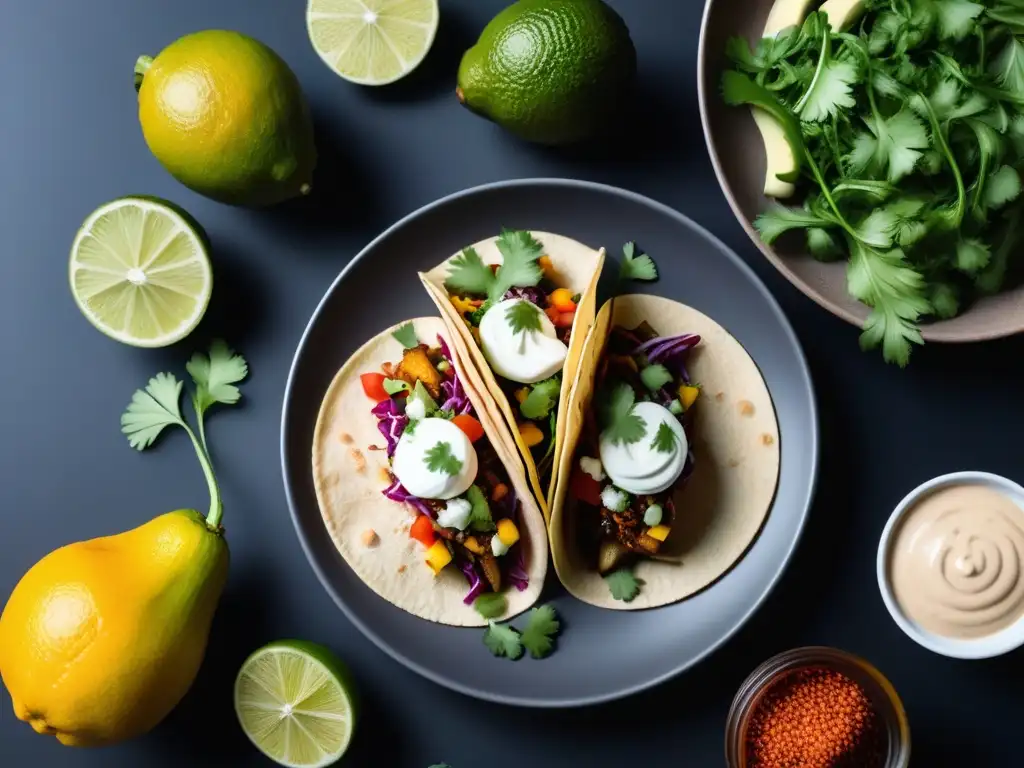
pixel 527 356
pixel 641 468
pixel 955 562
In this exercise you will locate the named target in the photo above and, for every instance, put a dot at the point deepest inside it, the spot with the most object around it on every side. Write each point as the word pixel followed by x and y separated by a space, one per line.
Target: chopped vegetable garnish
pixel 531 434
pixel 541 627
pixel 422 530
pixel 394 386
pixel 438 556
pixel 659 532
pixel 373 386
pixel 406 336
pixel 507 532
pixel 467 273
pixel 614 499
pixel 439 458
pixel 541 398
pixel 653 515
pixel 688 395
pixel 503 641
pixel 474 429
pixel 490 605
pixel 561 299
pixel 520 251
pixel 623 584
pixel 655 377
pixel 623 426
pixel 592 467
pixel 664 439
pixel 636 267
pixel 676 407
pixel 480 518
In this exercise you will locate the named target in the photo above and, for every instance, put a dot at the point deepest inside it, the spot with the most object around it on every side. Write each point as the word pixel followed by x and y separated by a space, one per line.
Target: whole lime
pixel 550 71
pixel 226 117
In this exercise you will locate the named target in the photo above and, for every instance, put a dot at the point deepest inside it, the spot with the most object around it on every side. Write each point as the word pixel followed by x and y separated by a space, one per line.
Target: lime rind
pixel 139 271
pixel 372 42
pixel 296 703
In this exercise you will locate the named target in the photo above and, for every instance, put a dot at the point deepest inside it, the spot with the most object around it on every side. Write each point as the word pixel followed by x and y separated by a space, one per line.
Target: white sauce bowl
pixel 996 644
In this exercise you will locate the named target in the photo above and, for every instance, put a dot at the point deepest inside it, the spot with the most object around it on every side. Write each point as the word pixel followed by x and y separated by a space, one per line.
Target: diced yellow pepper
pixel 507 532
pixel 659 532
pixel 522 393
pixel 473 545
pixel 463 306
pixel 438 556
pixel 688 395
pixel 544 262
pixel 531 434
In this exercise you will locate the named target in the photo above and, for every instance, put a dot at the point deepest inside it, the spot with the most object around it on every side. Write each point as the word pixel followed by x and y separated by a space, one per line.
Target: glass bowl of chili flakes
pixel 817 707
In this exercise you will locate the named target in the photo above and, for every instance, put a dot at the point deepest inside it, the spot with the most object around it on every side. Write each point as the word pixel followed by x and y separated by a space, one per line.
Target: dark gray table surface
pixel 70 140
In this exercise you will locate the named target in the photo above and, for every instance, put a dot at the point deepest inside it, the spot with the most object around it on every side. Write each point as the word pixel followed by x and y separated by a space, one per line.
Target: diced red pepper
pixel 423 531
pixel 585 488
pixel 474 429
pixel 553 315
pixel 373 386
pixel 561 299
pixel 565 319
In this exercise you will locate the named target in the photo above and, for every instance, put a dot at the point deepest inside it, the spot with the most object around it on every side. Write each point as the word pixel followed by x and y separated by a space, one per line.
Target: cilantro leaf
pixel 655 376
pixel 439 458
pixel 972 255
pixel 944 300
pixel 891 144
pixel 779 219
pixel 542 398
pixel 519 268
pixel 830 90
pixel 541 627
pixel 439 765
pixel 622 425
pixel 1008 67
pixel 215 376
pixel 1002 187
pixel 822 245
pixel 956 17
pixel 394 386
pixel 503 641
pixel 467 273
pixel 664 439
pixel 151 410
pixel 635 267
pixel 623 585
pixel 480 514
pixel 523 316
pixel 490 605
pixel 406 336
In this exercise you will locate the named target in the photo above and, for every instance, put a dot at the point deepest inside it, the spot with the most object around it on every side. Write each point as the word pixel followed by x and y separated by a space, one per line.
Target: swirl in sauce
pixel 955 562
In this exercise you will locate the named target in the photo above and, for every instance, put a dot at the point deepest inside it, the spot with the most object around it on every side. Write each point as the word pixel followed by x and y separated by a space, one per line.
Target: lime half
pixel 296 703
pixel 372 42
pixel 140 271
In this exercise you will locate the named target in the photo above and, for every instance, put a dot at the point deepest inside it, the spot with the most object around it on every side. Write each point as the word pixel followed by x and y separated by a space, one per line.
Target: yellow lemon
pixel 101 639
pixel 226 117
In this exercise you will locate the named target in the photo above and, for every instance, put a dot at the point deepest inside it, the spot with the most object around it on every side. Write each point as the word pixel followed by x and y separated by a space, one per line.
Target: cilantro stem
pixel 216 508
pixel 940 139
pixel 826 50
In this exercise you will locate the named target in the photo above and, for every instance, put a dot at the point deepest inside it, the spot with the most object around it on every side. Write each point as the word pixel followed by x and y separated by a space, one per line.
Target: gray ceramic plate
pixel 696 269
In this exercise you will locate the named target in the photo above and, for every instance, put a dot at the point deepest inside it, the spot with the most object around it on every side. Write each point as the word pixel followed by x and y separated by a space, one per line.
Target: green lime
pixel 226 117
pixel 550 71
pixel 297 703
pixel 140 272
pixel 372 42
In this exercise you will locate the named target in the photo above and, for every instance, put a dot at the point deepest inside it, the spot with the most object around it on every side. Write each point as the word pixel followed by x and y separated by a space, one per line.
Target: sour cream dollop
pixel 526 357
pixel 640 468
pixel 410 463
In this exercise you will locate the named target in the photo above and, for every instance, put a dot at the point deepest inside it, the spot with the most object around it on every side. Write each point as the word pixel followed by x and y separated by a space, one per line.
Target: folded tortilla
pixel 578 268
pixel 350 478
pixel 735 442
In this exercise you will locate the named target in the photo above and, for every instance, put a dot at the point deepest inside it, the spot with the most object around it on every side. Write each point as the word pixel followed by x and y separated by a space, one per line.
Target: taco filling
pixel 442 464
pixel 634 451
pixel 522 320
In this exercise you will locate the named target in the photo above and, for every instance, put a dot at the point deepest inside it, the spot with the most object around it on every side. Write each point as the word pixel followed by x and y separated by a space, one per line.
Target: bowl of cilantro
pixel 872 151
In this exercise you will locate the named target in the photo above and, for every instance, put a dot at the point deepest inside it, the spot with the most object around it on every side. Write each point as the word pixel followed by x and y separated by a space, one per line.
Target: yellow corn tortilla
pixel 578 268
pixel 349 479
pixel 735 441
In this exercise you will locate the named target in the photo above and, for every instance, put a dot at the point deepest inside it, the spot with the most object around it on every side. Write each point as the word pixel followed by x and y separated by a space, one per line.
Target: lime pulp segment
pixel 293 706
pixel 140 272
pixel 372 42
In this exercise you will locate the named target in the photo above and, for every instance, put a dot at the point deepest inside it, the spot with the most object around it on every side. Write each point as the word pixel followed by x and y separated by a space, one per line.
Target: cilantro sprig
pixel 520 251
pixel 480 518
pixel 623 585
pixel 622 425
pixel 406 336
pixel 541 398
pixel 439 458
pixel 216 376
pixel 907 140
pixel 523 316
pixel 664 438
pixel 537 638
pixel 636 267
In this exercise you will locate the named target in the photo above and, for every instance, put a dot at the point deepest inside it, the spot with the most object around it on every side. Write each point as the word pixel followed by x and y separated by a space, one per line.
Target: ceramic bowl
pixel 737 153
pixel 1001 642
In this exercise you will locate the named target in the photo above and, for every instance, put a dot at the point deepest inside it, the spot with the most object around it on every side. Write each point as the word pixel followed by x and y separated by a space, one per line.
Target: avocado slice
pixel 842 13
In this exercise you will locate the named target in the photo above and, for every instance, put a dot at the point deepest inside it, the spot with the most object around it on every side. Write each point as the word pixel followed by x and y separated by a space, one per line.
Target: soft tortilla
pixel 578 268
pixel 351 501
pixel 723 506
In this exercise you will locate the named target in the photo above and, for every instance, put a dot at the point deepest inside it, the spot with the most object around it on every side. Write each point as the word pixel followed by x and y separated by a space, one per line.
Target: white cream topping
pixel 526 357
pixel 410 462
pixel 640 468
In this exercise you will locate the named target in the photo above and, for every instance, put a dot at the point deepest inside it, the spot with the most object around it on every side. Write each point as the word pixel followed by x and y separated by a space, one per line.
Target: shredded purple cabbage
pixel 665 349
pixel 391 422
pixel 517 574
pixel 530 294
pixel 455 397
pixel 396 492
pixel 445 352
pixel 477 585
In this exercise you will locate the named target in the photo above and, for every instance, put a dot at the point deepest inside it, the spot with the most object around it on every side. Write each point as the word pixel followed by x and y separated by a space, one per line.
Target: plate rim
pixel 676 670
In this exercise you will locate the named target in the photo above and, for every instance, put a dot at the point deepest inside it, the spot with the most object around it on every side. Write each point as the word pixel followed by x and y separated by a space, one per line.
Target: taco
pixel 521 305
pixel 671 457
pixel 421 493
